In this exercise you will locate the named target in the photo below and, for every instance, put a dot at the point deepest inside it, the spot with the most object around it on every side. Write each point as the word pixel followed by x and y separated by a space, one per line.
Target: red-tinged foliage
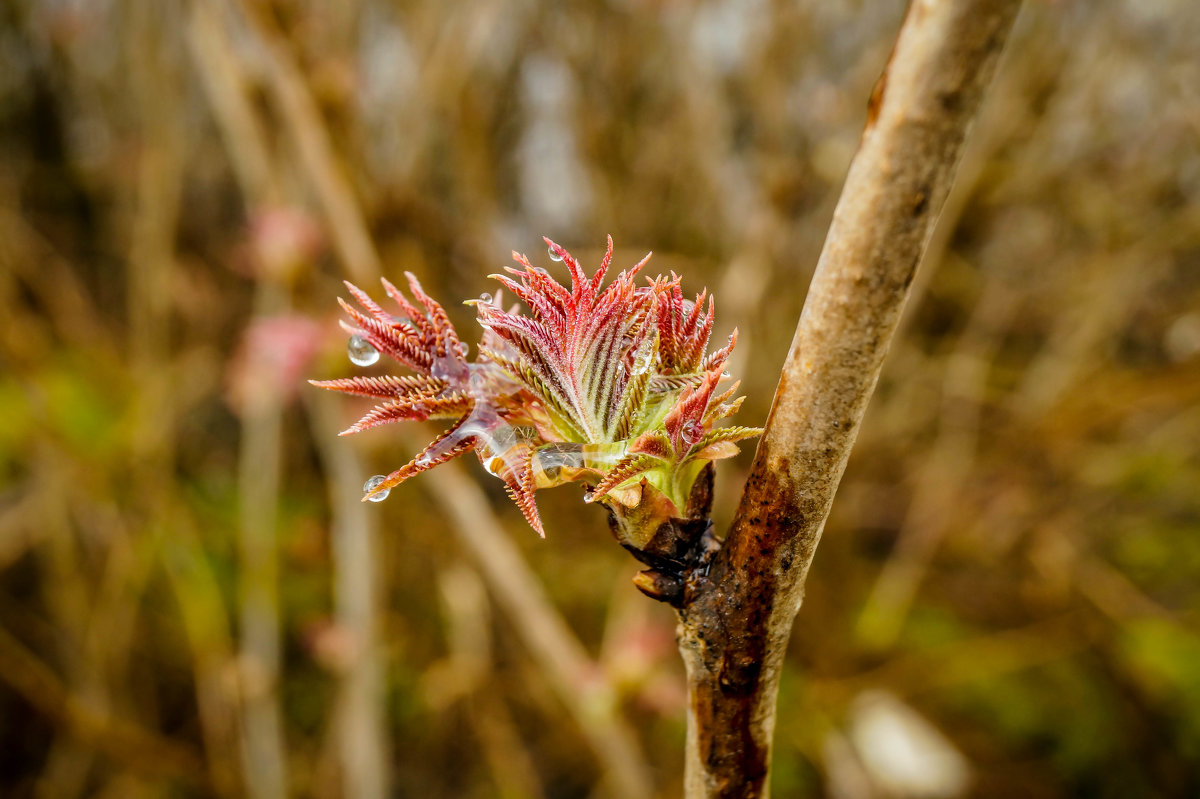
pixel 610 386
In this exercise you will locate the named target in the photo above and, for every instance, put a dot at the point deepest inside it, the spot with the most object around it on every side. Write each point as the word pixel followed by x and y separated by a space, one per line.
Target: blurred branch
pixel 42 270
pixel 126 743
pixel 1112 592
pixel 1084 327
pixel 334 194
pixel 1003 117
pixel 972 660
pixel 228 94
pixel 204 614
pixel 579 683
pixel 465 673
pixel 69 601
pixel 154 215
pixel 734 635
pixel 259 470
pixel 259 456
pixel 356 574
pixel 946 469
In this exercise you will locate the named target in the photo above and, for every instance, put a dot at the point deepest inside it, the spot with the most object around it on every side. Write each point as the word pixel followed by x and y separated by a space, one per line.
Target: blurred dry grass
pixel 188 583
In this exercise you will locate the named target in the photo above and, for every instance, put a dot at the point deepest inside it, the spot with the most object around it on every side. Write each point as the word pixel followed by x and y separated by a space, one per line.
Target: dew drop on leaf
pixel 553 255
pixel 361 352
pixel 451 368
pixel 551 460
pixel 691 432
pixel 370 485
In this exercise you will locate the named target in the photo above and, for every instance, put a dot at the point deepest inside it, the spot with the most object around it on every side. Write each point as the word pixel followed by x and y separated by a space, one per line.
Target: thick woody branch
pixel 734 632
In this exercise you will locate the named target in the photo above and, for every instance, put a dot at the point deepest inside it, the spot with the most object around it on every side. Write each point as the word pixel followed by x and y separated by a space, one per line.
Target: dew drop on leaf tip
pixel 369 486
pixel 361 352
pixel 553 255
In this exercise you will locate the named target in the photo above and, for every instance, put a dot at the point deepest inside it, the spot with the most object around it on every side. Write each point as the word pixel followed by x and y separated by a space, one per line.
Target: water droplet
pixel 553 255
pixel 369 486
pixel 486 298
pixel 588 496
pixel 552 460
pixel 361 352
pixel 691 432
pixel 454 370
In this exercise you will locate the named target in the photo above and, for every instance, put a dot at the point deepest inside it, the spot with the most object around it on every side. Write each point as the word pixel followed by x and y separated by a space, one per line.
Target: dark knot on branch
pixel 679 556
pixel 679 552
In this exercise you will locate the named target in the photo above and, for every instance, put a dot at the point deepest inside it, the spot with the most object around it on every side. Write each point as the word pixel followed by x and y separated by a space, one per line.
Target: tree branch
pixel 734 632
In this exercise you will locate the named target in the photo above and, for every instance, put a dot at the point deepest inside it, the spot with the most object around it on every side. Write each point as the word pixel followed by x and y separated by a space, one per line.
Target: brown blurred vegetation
pixel 188 583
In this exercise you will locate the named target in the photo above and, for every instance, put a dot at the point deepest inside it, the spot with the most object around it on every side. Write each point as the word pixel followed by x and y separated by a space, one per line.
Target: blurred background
pixel 194 603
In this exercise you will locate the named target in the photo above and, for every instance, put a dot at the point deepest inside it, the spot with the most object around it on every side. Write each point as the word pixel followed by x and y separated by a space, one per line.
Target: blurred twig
pixel 259 457
pixel 579 683
pixel 973 660
pixel 361 723
pixel 138 749
pixel 259 472
pixel 1082 328
pixel 227 91
pixel 332 190
pixel 466 673
pixel 27 254
pixel 945 470
pixel 359 726
pixel 69 602
pixel 210 640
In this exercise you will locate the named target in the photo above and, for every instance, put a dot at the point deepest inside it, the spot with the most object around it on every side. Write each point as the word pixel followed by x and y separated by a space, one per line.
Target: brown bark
pixel 735 627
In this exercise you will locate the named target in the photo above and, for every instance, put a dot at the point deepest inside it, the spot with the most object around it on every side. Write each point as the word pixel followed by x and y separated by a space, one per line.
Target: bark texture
pixel 735 626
